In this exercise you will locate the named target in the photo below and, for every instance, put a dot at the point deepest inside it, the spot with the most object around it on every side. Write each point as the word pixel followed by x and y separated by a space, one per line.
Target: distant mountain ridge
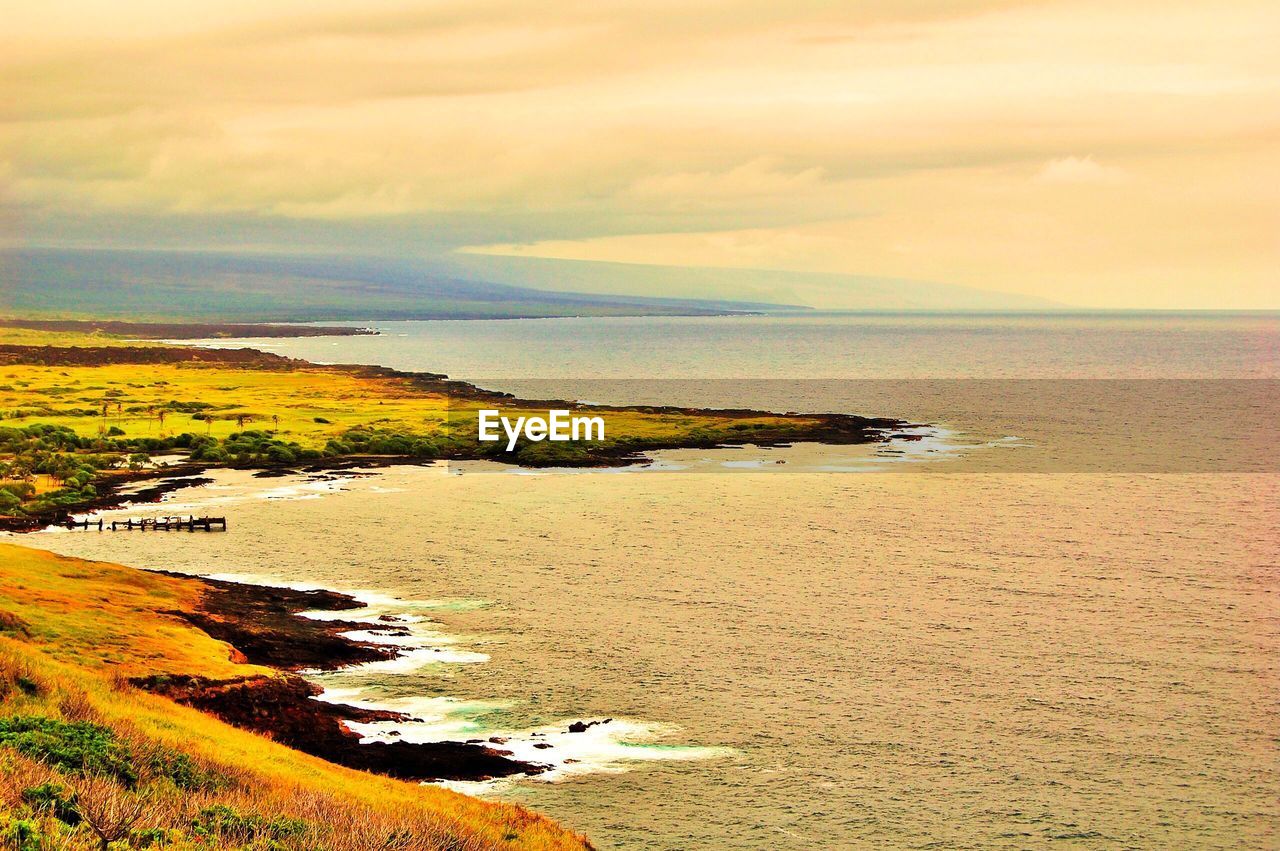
pixel 207 286
pixel 238 287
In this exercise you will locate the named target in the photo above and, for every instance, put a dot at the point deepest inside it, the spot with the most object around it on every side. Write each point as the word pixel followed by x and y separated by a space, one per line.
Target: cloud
pixel 594 128
pixel 1078 170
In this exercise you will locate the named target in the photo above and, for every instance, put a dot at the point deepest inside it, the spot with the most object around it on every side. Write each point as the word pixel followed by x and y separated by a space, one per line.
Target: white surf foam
pixel 611 746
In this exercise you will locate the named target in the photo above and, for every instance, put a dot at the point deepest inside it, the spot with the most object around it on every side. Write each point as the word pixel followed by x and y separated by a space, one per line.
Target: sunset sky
pixel 1095 153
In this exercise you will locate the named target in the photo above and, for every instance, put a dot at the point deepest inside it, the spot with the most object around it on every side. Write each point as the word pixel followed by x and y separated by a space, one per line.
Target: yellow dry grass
pixel 106 617
pixel 35 337
pixel 308 405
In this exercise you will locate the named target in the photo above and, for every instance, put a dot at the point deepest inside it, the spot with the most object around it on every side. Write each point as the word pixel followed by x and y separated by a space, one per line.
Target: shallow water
pixel 796 658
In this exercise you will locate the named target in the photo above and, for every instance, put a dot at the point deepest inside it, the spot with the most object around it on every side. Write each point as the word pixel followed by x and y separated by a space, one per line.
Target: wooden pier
pixel 155 524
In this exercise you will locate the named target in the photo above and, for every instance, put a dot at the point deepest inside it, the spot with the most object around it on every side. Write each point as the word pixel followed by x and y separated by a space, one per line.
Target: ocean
pixel 1051 618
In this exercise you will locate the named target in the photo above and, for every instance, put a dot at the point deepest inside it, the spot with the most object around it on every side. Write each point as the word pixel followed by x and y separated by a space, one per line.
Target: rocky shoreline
pixel 263 627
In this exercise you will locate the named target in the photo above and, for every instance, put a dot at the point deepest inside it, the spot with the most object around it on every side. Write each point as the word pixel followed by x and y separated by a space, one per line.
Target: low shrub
pixel 11 623
pixel 175 766
pixel 71 746
pixel 229 825
pixel 16 676
pixel 21 834
pixel 52 799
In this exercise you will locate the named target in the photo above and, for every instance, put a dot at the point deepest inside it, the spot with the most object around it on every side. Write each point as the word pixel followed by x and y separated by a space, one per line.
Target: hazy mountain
pixel 223 286
pixel 203 286
pixel 823 291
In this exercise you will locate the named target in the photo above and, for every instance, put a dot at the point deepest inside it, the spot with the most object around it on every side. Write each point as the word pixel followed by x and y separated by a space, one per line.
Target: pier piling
pixel 155 524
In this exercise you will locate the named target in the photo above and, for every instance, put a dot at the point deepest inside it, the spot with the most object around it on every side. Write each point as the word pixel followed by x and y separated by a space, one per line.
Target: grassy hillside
pixel 89 762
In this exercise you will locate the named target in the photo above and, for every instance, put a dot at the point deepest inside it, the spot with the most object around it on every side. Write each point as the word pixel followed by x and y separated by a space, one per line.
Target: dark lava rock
pixel 262 623
pixel 282 707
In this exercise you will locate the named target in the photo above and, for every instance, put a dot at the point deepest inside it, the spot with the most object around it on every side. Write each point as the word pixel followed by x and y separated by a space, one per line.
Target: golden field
pixel 34 337
pixel 307 405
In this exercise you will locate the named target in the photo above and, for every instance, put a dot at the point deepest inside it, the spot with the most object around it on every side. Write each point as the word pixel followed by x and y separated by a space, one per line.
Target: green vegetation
pixel 223 823
pixel 75 747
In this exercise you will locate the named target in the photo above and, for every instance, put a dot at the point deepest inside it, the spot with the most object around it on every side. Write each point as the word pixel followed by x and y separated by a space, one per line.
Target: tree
pixel 108 808
pixel 241 419
pixel 20 468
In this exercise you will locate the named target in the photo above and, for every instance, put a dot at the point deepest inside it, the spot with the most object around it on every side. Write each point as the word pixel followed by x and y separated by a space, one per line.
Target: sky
pixel 1098 154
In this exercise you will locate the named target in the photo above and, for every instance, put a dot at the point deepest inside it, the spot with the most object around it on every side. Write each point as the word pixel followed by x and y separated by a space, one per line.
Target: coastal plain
pixel 73 411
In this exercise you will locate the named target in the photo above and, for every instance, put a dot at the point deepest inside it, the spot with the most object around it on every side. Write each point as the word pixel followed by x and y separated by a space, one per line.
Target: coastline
pixel 263 626
pixel 346 660
pixel 182 330
pixel 936 575
pixel 275 637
